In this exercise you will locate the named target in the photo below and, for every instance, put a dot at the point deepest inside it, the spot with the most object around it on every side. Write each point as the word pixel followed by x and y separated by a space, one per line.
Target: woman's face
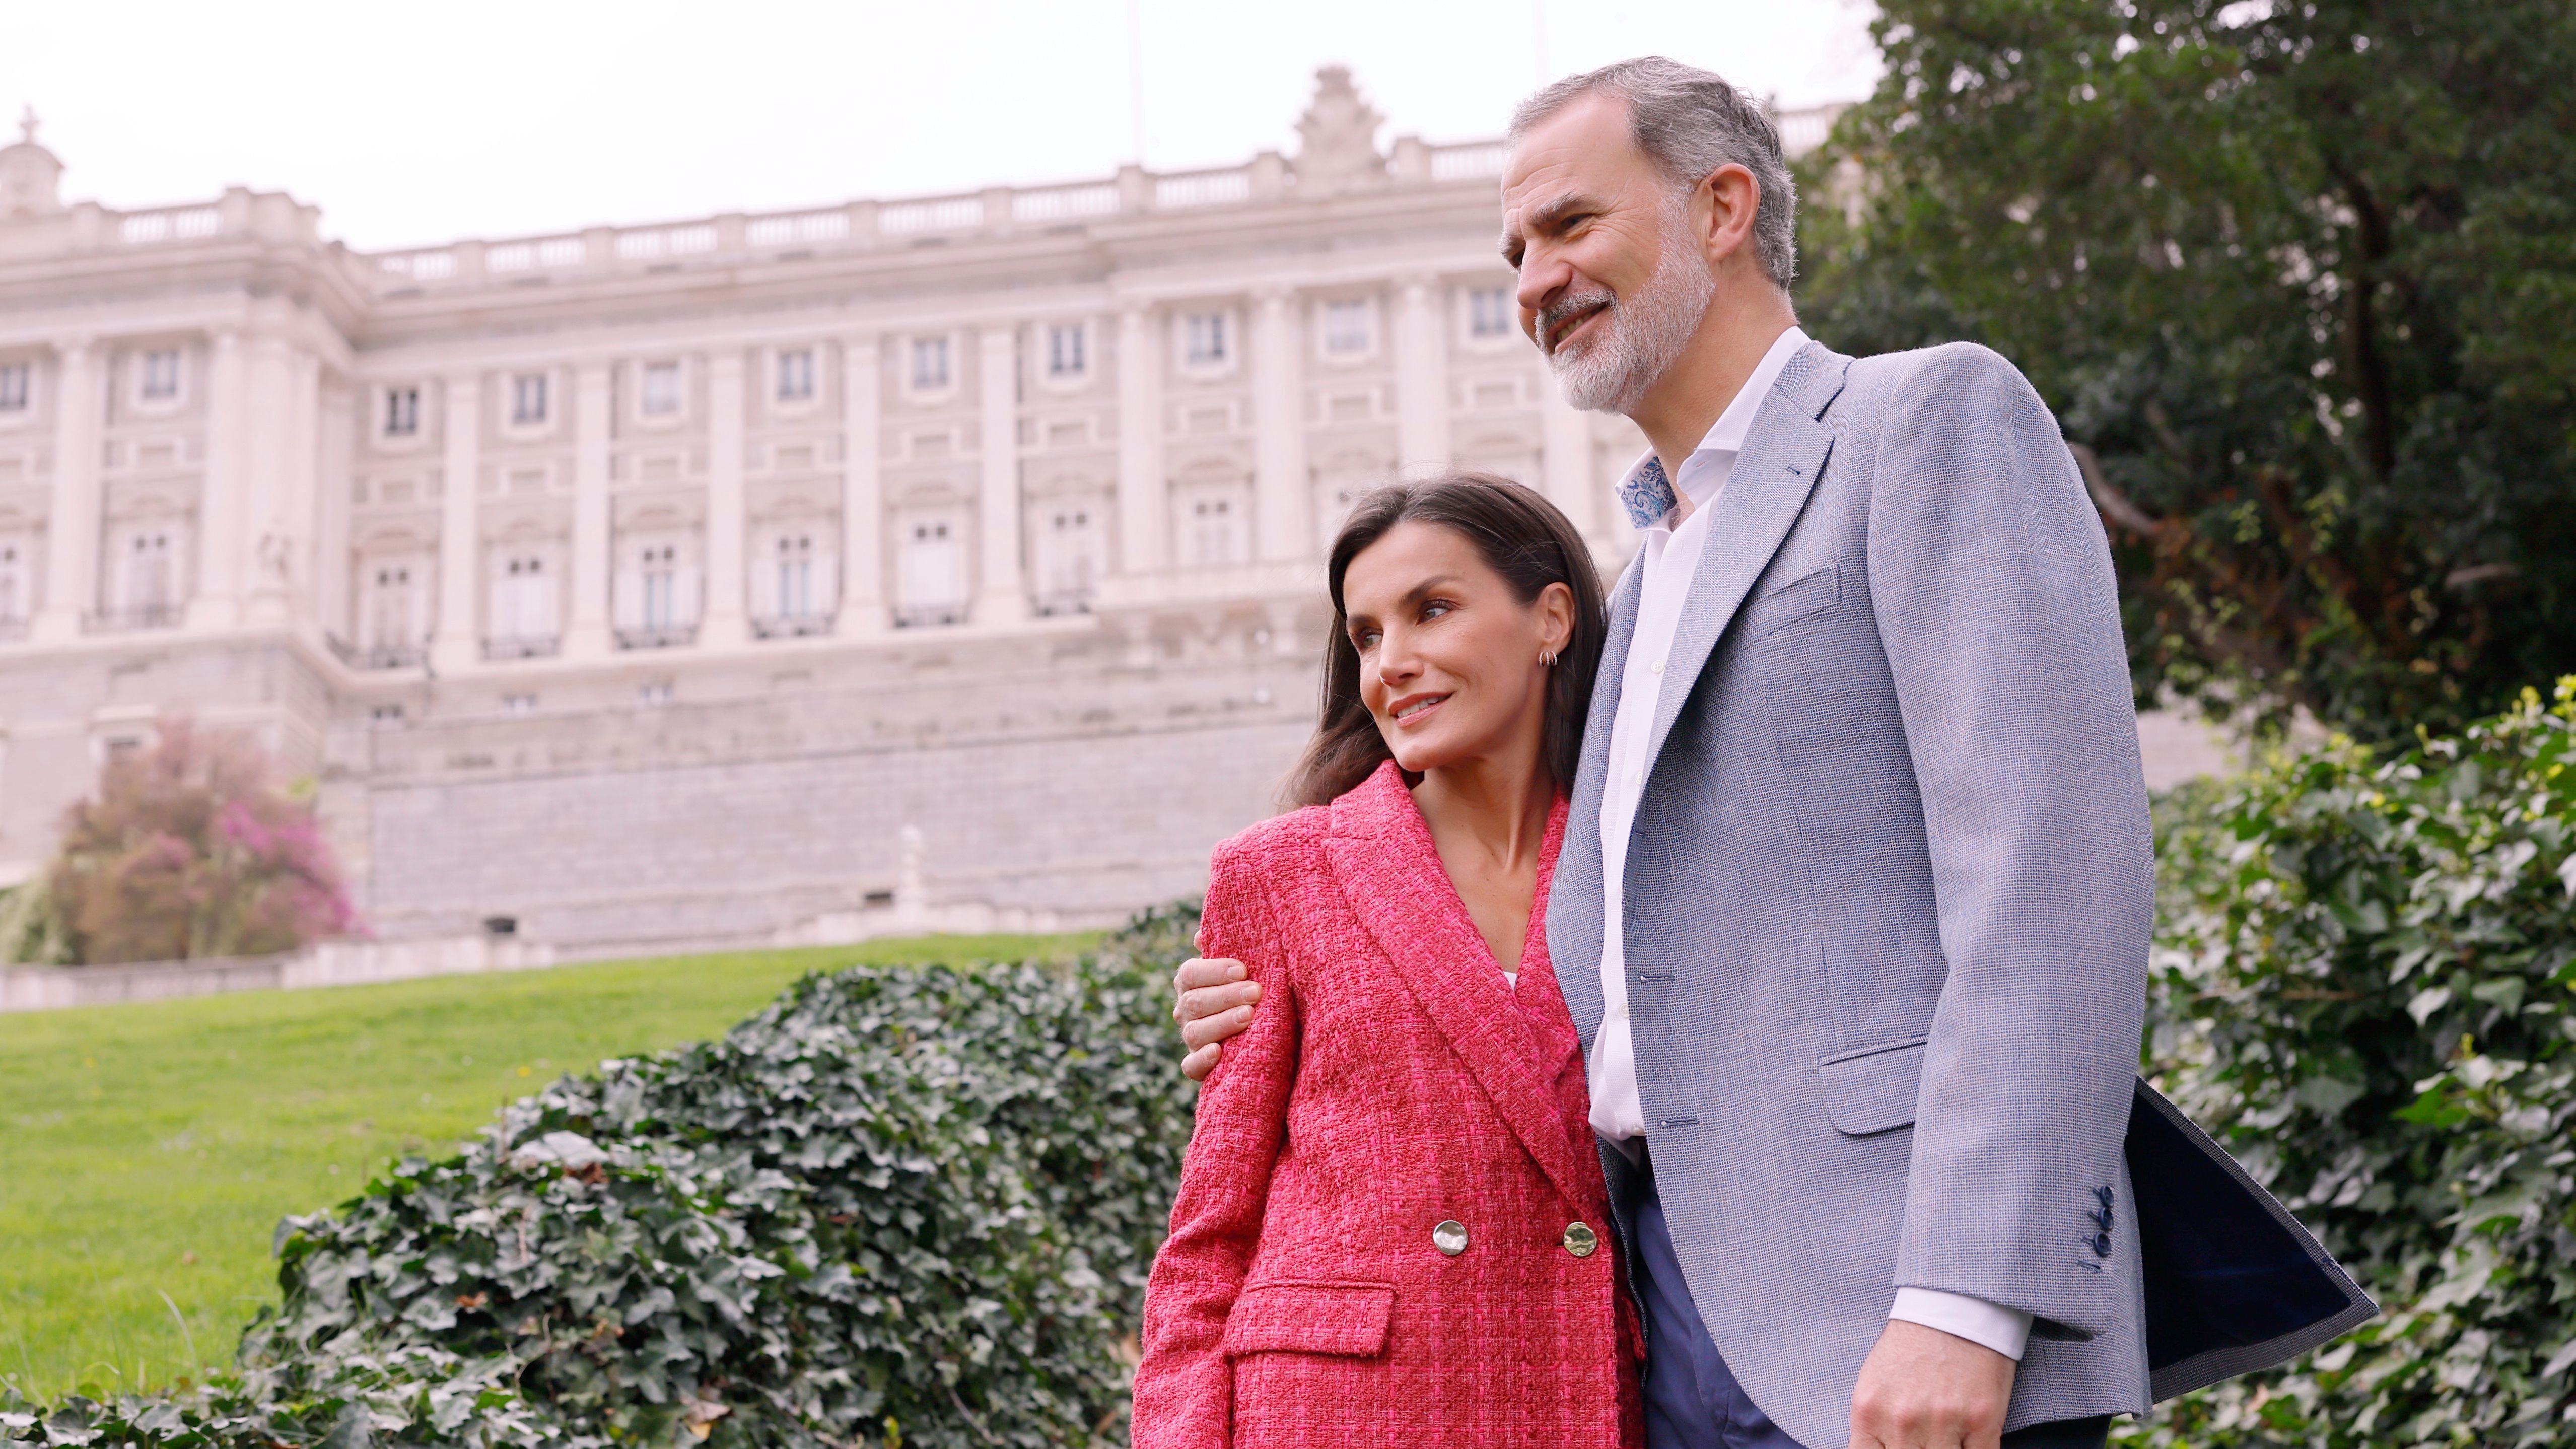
pixel 1449 658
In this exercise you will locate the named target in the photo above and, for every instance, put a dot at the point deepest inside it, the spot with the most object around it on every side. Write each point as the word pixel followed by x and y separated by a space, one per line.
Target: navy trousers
pixel 1692 1398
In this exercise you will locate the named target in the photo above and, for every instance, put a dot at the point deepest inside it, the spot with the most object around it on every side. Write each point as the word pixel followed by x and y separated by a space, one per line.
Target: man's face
pixel 1612 287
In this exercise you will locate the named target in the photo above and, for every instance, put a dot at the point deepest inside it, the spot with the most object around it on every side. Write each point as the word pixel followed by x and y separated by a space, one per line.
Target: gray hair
pixel 1689 122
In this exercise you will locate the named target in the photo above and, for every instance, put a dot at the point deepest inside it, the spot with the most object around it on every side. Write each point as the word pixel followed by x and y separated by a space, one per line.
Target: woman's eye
pixel 1365 640
pixel 1434 609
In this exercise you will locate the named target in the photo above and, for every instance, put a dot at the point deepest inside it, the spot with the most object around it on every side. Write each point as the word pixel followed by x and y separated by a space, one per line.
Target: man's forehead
pixel 1585 148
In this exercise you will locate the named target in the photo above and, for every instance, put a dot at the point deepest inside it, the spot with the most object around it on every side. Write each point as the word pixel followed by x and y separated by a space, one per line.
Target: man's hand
pixel 1214 1002
pixel 1925 1389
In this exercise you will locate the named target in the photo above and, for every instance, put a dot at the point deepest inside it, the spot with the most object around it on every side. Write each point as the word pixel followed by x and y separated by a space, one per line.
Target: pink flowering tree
pixel 189 850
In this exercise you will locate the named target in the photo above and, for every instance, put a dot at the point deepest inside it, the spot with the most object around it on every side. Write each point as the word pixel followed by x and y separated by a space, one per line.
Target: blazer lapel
pixel 1574 901
pixel 1784 452
pixel 1382 857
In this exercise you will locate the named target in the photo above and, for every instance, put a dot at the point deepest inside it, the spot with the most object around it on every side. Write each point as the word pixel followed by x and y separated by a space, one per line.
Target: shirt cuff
pixel 2004 1330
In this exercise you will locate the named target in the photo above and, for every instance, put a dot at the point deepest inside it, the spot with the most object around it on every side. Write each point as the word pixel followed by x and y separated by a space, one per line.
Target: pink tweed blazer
pixel 1391 1082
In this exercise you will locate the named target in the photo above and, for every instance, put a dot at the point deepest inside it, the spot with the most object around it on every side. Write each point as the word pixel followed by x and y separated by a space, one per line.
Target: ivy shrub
pixel 900 1206
pixel 2362 987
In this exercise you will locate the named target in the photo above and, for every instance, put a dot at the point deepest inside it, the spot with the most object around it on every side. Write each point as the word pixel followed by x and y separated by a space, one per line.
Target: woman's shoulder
pixel 1279 845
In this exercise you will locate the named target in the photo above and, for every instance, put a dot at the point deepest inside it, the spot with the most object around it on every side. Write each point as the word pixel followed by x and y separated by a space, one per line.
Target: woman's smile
pixel 1414 710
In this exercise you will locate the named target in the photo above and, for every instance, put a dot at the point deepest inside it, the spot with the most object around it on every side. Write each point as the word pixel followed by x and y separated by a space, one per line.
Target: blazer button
pixel 1580 1240
pixel 1450 1237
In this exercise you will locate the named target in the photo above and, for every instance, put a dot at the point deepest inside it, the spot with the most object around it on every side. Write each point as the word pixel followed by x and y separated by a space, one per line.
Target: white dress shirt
pixel 1667 560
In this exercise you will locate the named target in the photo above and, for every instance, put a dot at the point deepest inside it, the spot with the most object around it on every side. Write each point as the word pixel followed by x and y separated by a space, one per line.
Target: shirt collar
pixel 1726 435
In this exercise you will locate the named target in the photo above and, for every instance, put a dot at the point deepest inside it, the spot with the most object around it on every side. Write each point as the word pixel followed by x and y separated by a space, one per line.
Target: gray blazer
pixel 1887 907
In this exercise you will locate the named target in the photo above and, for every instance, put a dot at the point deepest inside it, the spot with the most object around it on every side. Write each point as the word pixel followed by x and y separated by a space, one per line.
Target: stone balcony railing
pixel 860 225
pixel 784 235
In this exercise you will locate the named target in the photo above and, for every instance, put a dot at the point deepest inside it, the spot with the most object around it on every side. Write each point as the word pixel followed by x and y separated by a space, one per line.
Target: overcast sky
pixel 419 123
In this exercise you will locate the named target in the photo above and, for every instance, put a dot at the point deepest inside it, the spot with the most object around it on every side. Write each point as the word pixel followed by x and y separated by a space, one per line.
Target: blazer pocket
pixel 1873 1089
pixel 1808 594
pixel 1350 1320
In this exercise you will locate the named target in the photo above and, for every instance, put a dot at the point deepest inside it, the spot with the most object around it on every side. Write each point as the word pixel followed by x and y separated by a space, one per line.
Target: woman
pixel 1391 1228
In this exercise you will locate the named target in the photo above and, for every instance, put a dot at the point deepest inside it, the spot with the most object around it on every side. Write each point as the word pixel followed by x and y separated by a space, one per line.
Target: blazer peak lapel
pixel 1773 477
pixel 1377 846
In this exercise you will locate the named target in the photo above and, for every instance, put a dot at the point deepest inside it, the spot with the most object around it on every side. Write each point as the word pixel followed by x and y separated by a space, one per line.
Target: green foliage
pixel 147 1149
pixel 2363 988
pixel 188 853
pixel 2299 280
pixel 908 1205
pixel 31 931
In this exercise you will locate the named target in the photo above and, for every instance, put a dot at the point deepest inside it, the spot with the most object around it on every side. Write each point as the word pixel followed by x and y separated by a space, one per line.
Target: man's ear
pixel 1731 198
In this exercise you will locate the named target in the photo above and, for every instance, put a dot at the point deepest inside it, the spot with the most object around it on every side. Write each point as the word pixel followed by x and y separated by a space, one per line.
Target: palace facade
pixel 949 560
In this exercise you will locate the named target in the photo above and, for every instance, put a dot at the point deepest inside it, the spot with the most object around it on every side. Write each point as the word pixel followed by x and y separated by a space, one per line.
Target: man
pixel 1852 914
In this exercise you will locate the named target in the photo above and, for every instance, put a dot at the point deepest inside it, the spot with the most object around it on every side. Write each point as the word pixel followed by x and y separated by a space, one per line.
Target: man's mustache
pixel 1571 308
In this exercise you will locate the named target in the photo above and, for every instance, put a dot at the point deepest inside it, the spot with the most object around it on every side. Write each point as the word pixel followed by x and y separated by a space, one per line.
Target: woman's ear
pixel 1556 617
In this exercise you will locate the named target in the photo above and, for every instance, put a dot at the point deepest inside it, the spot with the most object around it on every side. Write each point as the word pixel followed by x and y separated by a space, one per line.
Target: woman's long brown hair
pixel 1522 537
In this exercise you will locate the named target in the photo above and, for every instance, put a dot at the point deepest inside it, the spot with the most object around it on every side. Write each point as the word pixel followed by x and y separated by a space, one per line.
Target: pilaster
pixel 336 402
pixel 222 502
pixel 724 624
pixel 863 605
pixel 266 540
pixel 1281 486
pixel 458 642
pixel 586 636
pixel 1000 596
pixel 1421 375
pixel 1144 502
pixel 71 522
pixel 1566 437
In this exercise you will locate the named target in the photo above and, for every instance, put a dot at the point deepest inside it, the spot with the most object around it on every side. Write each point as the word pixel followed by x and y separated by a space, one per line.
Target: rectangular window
pixel 661 587
pixel 796 375
pixel 161 373
pixel 13 387
pixel 1203 339
pixel 929 363
pixel 1346 328
pixel 518 704
pixel 402 412
pixel 1064 351
pixel 661 389
pixel 528 398
pixel 1489 312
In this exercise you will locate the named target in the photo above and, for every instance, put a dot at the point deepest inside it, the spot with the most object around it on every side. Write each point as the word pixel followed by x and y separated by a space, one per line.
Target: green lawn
pixel 147 1152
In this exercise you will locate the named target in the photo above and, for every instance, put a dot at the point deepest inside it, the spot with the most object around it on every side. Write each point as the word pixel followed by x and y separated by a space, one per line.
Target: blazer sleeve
pixel 1995 599
pixel 1184 1397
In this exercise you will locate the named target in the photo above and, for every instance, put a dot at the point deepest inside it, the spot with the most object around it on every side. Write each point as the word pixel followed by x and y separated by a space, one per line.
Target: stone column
pixel 863 602
pixel 1281 505
pixel 1000 597
pixel 458 644
pixel 723 625
pixel 586 636
pixel 71 520
pixel 1421 375
pixel 1144 499
pixel 1567 439
pixel 222 499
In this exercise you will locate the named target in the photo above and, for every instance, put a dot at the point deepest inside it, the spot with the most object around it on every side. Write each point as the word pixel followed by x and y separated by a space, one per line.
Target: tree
pixel 2299 280
pixel 188 852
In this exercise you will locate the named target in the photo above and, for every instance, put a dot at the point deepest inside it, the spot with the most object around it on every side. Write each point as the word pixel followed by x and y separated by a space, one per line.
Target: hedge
pixel 916 1206
pixel 2362 986
pixel 901 1206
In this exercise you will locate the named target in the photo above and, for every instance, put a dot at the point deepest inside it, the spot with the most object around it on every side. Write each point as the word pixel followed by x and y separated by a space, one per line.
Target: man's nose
pixel 1542 276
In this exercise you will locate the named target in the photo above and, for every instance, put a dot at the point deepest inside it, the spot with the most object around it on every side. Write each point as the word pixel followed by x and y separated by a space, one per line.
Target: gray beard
pixel 1644 337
